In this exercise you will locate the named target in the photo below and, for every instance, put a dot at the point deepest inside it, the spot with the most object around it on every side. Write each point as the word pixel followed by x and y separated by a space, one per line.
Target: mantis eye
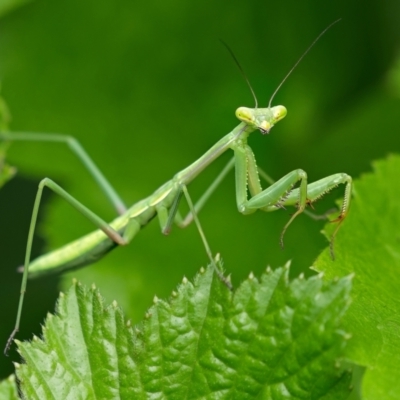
pixel 244 114
pixel 279 112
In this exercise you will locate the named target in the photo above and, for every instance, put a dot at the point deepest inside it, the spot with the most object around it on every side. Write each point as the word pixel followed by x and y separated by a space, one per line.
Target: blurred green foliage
pixel 147 88
pixel 7 6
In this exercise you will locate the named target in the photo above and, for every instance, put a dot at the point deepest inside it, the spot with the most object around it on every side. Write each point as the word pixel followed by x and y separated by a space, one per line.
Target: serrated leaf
pixel 369 246
pixel 270 339
pixel 8 389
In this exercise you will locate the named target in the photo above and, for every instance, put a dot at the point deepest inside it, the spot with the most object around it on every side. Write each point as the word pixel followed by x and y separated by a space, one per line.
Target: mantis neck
pixel 240 133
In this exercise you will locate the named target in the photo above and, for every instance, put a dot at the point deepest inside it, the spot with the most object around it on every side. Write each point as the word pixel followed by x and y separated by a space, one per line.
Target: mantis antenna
pixel 242 71
pixel 298 61
pixel 287 75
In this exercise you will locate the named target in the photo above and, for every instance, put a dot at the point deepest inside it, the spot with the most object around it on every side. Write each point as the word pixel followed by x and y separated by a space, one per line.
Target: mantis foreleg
pixel 281 193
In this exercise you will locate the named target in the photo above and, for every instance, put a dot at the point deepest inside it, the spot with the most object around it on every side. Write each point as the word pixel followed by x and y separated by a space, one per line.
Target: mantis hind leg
pixel 82 155
pixel 101 224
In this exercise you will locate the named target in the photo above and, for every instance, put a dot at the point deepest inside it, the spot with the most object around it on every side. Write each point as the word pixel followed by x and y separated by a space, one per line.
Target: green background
pixel 147 88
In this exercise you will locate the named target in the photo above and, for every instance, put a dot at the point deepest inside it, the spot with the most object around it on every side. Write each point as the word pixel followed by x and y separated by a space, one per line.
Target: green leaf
pixel 270 339
pixel 368 245
pixel 8 389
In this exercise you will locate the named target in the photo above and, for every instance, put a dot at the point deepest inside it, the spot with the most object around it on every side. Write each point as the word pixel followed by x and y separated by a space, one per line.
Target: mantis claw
pixel 339 220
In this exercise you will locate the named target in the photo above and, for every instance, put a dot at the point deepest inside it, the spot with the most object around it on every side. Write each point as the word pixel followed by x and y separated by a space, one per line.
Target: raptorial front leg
pixel 320 188
pixel 282 193
pixel 271 198
pixel 316 217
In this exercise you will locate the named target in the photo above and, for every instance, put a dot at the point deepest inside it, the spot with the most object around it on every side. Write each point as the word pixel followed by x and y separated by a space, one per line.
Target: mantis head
pixel 262 119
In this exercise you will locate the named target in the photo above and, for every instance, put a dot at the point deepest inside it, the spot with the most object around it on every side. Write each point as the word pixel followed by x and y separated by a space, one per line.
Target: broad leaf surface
pixel 270 339
pixel 369 246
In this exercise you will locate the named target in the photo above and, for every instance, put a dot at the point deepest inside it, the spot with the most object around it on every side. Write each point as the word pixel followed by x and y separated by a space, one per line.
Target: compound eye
pixel 244 114
pixel 279 113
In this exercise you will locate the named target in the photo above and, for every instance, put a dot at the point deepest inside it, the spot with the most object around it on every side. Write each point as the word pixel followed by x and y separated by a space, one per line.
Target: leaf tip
pixel 155 300
pixel 287 265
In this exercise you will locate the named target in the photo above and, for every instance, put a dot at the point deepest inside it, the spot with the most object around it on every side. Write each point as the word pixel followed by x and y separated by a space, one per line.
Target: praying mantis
pixel 164 202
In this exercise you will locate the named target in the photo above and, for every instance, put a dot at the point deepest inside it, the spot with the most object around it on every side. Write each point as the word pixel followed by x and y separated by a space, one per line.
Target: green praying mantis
pixel 164 202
